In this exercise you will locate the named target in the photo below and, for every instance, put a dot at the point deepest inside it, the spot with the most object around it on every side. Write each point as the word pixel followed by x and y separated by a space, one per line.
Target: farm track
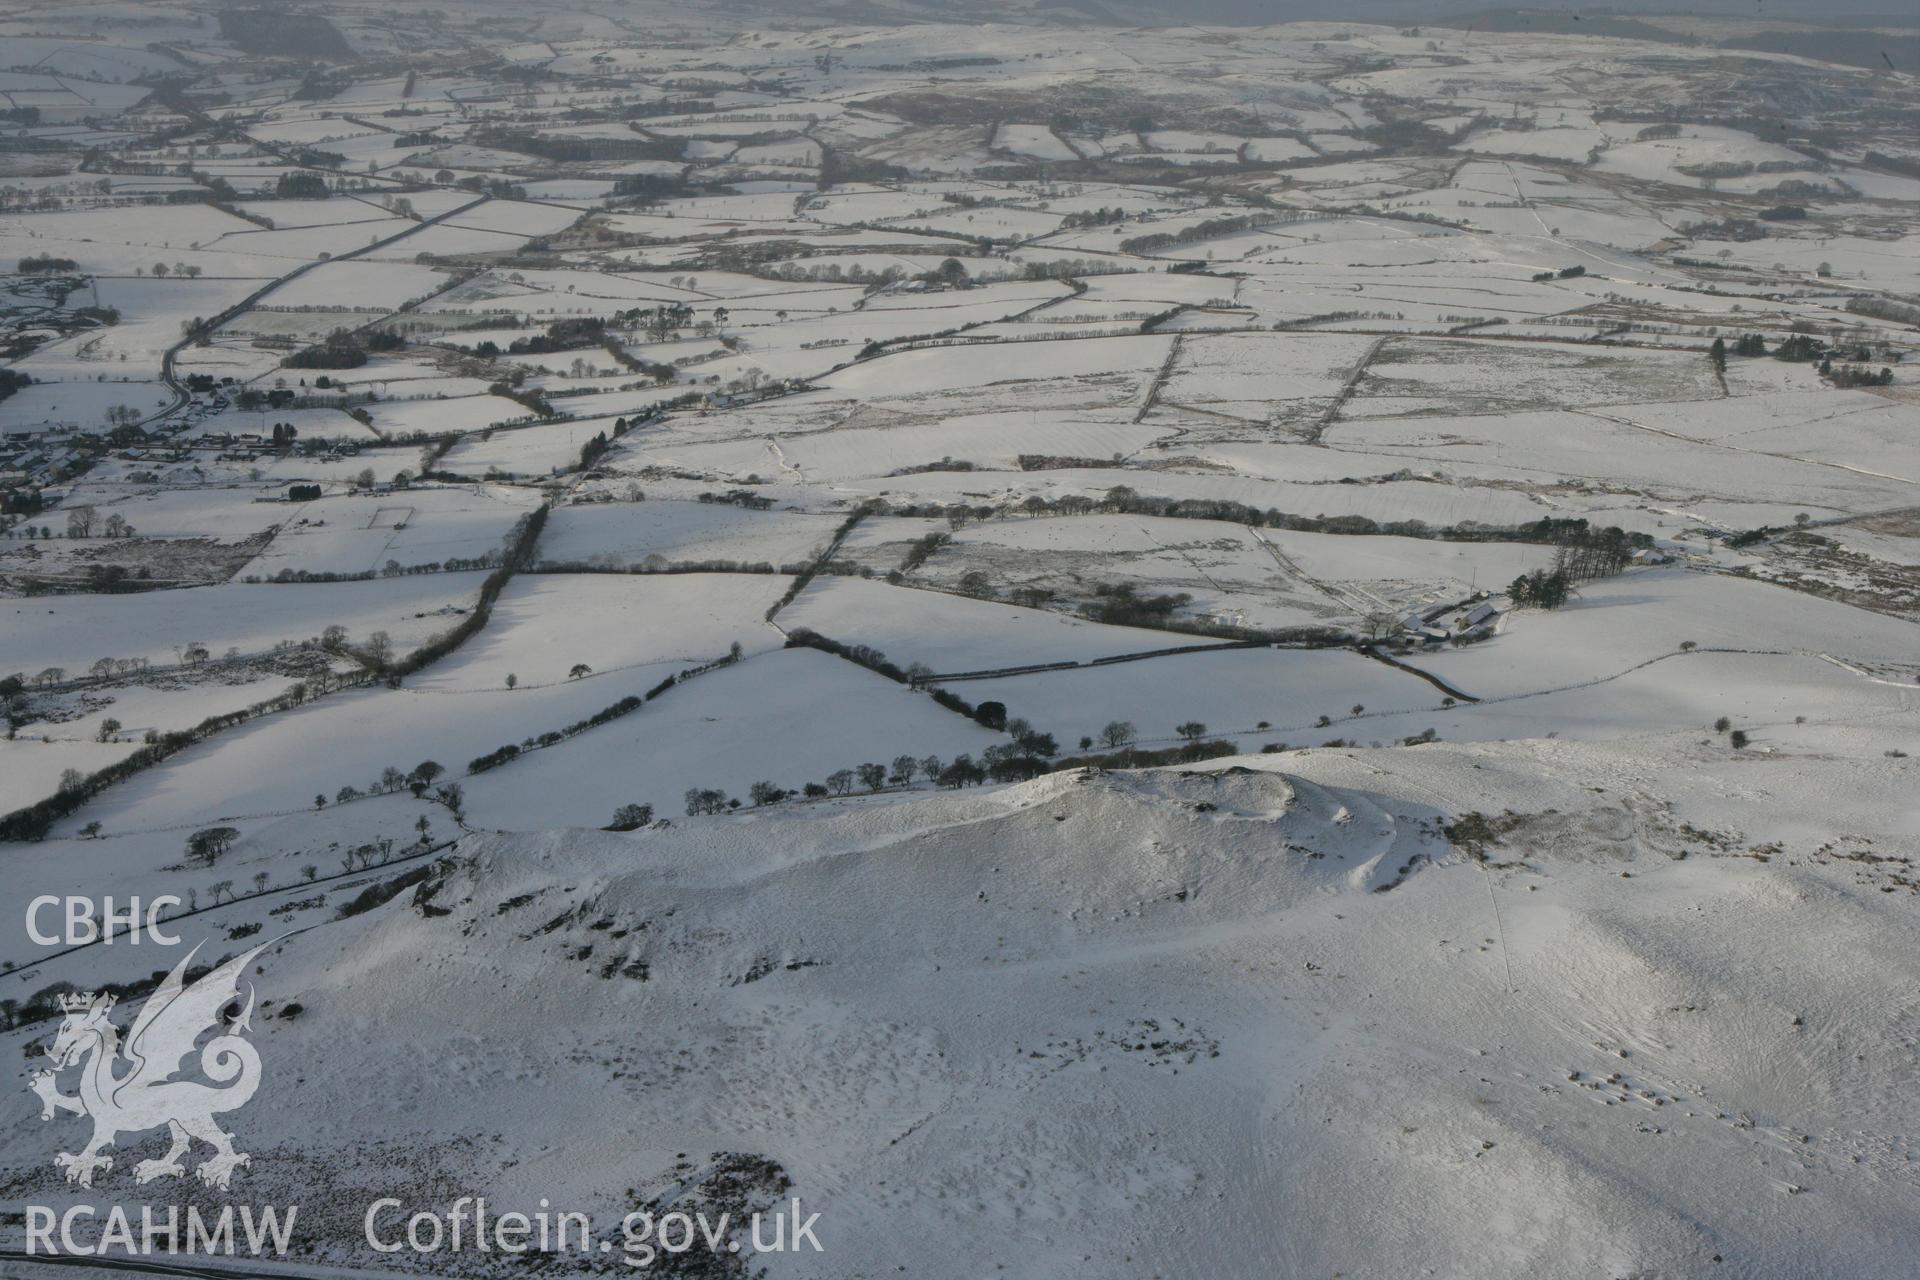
pixel 780 458
pixel 1191 562
pixel 1752 453
pixel 1346 391
pixel 1340 596
pixel 1160 379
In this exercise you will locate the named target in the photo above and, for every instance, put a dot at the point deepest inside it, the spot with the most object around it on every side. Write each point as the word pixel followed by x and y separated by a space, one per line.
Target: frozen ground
pixel 1068 1019
pixel 1103 649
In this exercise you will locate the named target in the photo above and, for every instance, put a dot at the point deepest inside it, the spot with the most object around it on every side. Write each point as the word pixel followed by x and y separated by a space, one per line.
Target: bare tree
pixel 705 800
pixel 423 775
pixel 210 843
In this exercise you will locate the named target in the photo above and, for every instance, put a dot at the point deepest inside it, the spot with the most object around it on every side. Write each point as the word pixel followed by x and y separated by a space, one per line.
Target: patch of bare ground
pixel 1818 565
pixel 127 564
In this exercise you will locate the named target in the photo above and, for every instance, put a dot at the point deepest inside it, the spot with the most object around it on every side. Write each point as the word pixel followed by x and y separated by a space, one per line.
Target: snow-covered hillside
pixel 1642 1012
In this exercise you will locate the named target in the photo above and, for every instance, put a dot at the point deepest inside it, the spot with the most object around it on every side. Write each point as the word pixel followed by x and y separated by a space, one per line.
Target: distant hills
pixel 1570 17
pixel 1851 41
pixel 273 33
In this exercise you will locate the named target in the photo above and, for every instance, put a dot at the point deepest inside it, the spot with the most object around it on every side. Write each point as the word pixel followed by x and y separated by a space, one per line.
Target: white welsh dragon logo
pixel 133 1089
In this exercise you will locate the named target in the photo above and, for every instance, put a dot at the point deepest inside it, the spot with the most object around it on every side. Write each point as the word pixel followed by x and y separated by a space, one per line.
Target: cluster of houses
pixel 246 446
pixel 34 458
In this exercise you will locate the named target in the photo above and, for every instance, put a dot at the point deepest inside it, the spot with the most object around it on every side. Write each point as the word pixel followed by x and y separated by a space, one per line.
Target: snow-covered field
pixel 73 631
pixel 629 535
pixel 362 533
pixel 546 624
